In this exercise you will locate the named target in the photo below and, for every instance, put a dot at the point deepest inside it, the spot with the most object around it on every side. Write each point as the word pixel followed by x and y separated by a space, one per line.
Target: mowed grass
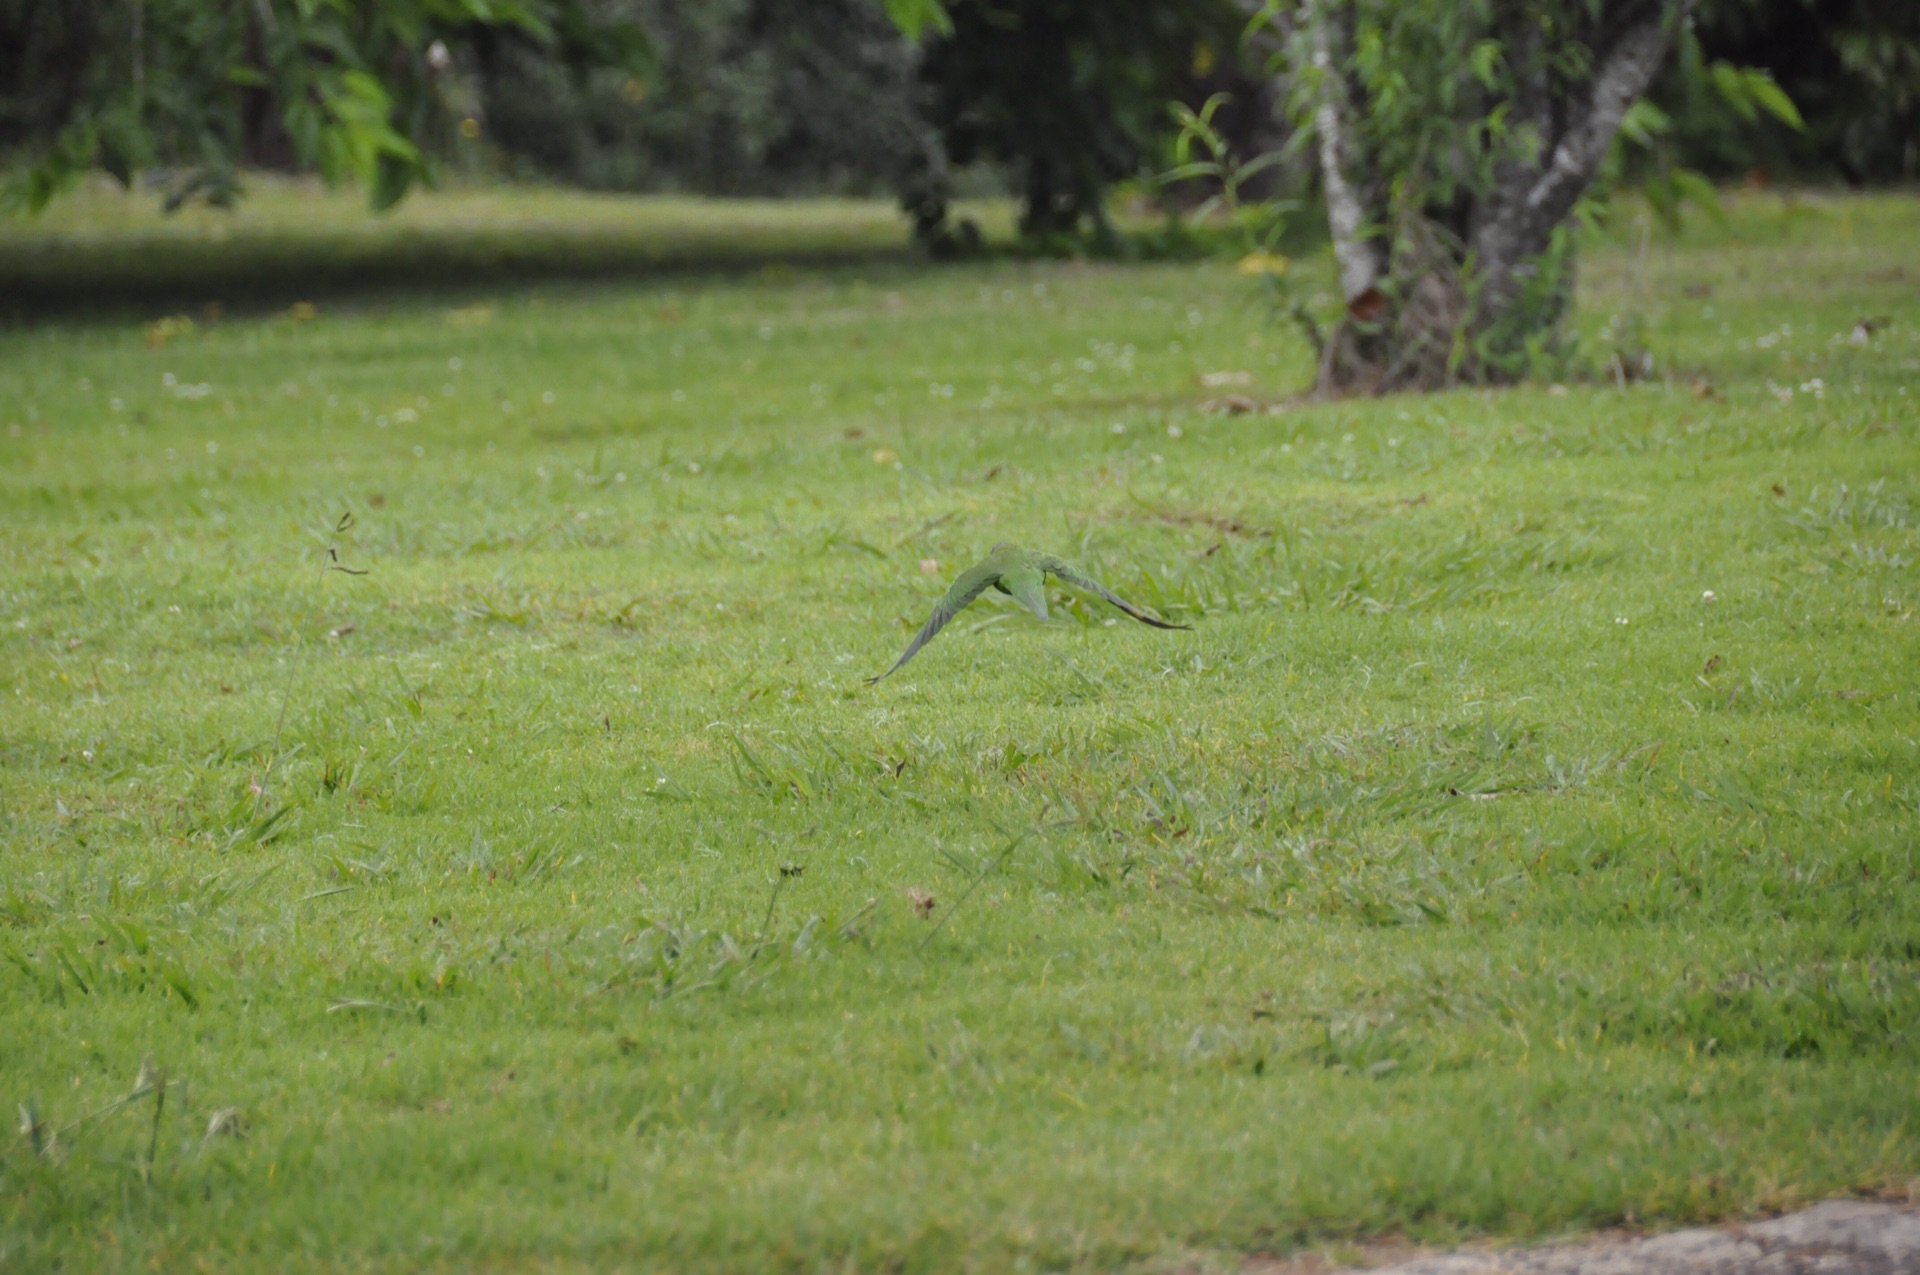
pixel 1522 840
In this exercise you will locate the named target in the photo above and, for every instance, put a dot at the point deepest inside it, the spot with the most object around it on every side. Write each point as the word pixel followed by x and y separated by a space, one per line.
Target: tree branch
pixel 1623 75
pixel 1357 246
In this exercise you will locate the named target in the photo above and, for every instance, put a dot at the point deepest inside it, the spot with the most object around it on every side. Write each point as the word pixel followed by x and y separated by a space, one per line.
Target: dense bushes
pixel 747 97
pixel 1063 97
pixel 1851 66
pixel 1059 98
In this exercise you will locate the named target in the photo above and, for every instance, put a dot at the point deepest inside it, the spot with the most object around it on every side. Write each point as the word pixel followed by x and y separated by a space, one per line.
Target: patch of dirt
pixel 1839 1237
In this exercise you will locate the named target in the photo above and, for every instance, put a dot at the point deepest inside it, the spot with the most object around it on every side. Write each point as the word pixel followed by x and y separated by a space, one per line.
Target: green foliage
pixel 1433 80
pixel 1202 152
pixel 746 97
pixel 1750 91
pixel 1468 870
pixel 1850 69
pixel 1462 147
pixel 915 17
pixel 1651 151
pixel 193 91
pixel 1069 95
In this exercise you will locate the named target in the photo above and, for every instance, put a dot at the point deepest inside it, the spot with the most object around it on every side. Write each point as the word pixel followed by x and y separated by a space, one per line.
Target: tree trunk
pixel 1473 292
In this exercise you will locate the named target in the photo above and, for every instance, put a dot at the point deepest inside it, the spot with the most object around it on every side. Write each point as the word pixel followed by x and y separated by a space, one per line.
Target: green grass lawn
pixel 1523 840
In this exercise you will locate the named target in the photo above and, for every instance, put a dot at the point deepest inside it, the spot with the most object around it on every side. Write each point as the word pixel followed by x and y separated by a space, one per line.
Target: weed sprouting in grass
pixel 1841 508
pixel 787 769
pixel 1364 1044
pixel 788 872
pixel 32 1128
pixel 61 1144
pixel 329 562
pixel 985 869
pixel 155 1080
pixel 674 957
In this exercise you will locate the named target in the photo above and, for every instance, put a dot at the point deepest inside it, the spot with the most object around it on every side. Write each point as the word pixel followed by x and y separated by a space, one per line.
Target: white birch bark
pixel 1625 74
pixel 1357 244
pixel 1531 199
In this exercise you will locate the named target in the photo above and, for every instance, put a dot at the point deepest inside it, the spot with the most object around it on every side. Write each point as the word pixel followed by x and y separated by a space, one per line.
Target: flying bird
pixel 1022 574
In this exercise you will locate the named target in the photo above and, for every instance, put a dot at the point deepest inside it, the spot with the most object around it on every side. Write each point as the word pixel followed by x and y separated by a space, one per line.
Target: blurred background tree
pixel 1054 101
pixel 1852 67
pixel 1066 96
pixel 190 92
pixel 746 97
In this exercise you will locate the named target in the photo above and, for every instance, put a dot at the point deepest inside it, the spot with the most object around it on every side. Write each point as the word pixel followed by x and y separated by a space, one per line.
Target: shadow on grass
pixel 53 277
pixel 104 252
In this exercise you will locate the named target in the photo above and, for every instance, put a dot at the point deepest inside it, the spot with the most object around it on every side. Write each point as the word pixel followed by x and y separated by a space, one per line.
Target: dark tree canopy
pixel 1068 95
pixel 193 90
pixel 747 97
pixel 1852 67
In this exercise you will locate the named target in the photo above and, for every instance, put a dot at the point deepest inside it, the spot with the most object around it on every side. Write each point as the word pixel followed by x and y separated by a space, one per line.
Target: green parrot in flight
pixel 1022 574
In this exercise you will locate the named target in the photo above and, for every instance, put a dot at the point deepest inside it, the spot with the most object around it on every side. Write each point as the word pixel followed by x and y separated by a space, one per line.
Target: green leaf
pixel 60 169
pixel 1259 164
pixel 1693 187
pixel 913 17
pixel 1496 122
pixel 1485 59
pixel 394 176
pixel 1200 168
pixel 1644 121
pixel 1732 87
pixel 1773 99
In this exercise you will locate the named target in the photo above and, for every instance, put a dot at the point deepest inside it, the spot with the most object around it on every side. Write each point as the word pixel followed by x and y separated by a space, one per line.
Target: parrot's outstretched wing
pixel 1061 569
pixel 971 584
